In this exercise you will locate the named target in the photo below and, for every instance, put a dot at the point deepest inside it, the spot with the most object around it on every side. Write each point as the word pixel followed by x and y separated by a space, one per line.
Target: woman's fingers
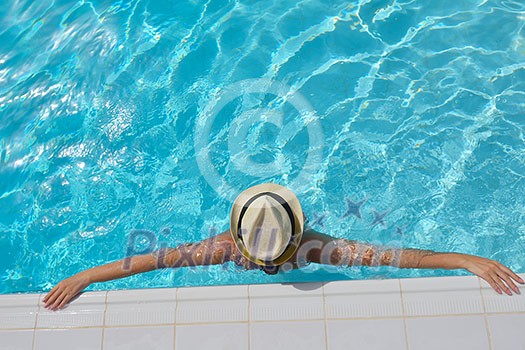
pixel 66 299
pixel 500 283
pixel 492 283
pixel 54 302
pixel 59 300
pixel 55 299
pixel 501 274
pixel 511 273
pixel 50 293
pixel 47 297
pixel 51 297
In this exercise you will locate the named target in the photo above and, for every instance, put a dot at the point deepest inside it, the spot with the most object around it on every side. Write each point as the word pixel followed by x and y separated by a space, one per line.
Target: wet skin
pixel 314 247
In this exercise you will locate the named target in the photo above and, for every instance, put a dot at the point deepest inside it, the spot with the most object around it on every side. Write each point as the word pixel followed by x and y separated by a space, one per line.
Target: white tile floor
pixel 424 313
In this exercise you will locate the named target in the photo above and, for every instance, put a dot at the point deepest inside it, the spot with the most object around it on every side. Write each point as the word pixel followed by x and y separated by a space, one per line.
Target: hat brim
pixel 297 211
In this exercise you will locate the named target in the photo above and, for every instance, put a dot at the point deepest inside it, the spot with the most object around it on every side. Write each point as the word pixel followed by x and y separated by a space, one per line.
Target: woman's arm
pixel 68 288
pixel 491 271
pixel 215 250
pixel 329 250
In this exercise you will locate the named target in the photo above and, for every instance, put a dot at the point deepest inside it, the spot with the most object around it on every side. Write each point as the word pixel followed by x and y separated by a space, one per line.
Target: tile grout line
pixel 175 322
pixel 404 313
pixel 249 319
pixel 104 320
pixel 485 314
pixel 36 318
pixel 325 322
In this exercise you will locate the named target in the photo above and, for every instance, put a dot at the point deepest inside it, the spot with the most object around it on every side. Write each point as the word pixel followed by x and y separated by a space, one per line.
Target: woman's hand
pixel 65 290
pixel 494 273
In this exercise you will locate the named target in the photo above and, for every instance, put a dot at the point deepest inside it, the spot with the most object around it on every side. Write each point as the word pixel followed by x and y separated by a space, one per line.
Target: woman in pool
pixel 267 232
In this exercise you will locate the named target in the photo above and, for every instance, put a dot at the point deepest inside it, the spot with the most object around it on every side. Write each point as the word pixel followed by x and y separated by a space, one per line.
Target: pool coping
pixel 406 302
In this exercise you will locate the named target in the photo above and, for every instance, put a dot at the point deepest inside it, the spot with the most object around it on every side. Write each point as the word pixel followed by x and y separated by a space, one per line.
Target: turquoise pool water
pixel 152 115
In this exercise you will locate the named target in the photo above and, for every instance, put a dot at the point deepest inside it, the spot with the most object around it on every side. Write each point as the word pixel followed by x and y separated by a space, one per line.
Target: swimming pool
pixel 145 115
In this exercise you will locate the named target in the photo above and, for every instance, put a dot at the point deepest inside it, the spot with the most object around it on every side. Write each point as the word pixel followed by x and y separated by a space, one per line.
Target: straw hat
pixel 266 223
